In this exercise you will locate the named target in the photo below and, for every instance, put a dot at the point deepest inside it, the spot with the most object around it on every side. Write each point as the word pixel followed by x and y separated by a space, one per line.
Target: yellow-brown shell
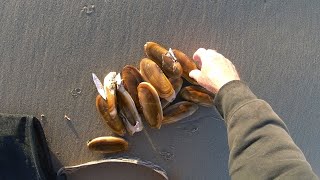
pixel 187 65
pixel 114 122
pixel 150 103
pixel 197 95
pixel 166 61
pixel 178 111
pixel 152 73
pixel 176 84
pixel 131 79
pixel 108 144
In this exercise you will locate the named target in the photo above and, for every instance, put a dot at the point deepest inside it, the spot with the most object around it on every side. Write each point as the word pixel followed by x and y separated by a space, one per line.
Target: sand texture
pixel 49 48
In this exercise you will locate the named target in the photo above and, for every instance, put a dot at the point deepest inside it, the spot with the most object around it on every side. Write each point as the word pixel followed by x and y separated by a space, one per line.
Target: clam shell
pixel 131 79
pixel 176 84
pixel 187 65
pixel 128 110
pixel 197 95
pixel 164 59
pixel 108 144
pixel 150 103
pixel 114 122
pixel 178 111
pixel 110 89
pixel 152 73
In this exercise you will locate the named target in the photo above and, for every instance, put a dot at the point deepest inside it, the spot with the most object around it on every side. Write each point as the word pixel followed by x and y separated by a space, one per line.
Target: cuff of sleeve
pixel 231 96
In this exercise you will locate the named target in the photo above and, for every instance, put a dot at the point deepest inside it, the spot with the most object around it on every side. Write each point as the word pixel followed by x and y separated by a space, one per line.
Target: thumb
pixel 195 74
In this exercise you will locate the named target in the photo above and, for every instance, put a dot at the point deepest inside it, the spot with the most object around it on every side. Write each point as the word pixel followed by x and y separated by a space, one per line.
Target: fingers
pixel 198 54
pixel 195 74
pixel 205 55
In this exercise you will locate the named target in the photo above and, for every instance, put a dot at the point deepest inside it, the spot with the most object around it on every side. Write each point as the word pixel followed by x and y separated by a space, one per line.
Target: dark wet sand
pixel 49 48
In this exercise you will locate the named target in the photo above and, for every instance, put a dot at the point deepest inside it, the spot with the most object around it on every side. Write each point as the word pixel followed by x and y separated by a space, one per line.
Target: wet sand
pixel 48 50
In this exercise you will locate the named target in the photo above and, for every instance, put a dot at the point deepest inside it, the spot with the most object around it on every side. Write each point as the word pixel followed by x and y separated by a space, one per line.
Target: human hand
pixel 215 70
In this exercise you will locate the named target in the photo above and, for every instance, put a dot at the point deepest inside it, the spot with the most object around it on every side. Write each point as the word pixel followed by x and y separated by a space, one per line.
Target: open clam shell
pixel 130 115
pixel 110 90
pixel 108 144
pixel 176 84
pixel 187 65
pixel 115 123
pixel 198 95
pixel 178 111
pixel 131 78
pixel 165 59
pixel 152 73
pixel 150 103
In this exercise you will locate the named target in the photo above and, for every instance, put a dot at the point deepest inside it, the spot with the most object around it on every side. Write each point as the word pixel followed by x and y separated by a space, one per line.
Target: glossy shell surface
pixel 164 59
pixel 176 84
pixel 115 123
pixel 152 73
pixel 150 103
pixel 197 95
pixel 187 65
pixel 178 111
pixel 131 79
pixel 108 144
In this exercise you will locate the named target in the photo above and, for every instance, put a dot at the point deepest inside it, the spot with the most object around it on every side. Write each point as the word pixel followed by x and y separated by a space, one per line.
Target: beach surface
pixel 48 50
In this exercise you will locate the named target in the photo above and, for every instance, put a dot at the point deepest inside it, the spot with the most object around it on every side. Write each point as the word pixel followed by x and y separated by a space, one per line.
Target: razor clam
pixel 130 115
pixel 115 122
pixel 150 103
pixel 164 59
pixel 178 111
pixel 176 84
pixel 197 95
pixel 152 73
pixel 187 65
pixel 131 79
pixel 110 89
pixel 106 103
pixel 108 144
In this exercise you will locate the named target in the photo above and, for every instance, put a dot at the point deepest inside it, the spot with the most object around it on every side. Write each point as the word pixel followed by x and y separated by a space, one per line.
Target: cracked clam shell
pixel 178 111
pixel 187 65
pixel 164 59
pixel 131 79
pixel 115 123
pixel 150 103
pixel 198 95
pixel 176 84
pixel 152 73
pixel 128 111
pixel 108 144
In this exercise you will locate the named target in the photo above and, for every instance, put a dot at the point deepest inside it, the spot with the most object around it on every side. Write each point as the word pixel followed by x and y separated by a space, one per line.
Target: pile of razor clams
pixel 134 94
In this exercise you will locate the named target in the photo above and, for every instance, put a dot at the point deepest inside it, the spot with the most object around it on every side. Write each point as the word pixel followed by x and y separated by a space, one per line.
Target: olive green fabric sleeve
pixel 259 143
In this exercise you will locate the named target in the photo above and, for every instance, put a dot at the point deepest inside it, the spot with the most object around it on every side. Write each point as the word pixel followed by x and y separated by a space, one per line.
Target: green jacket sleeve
pixel 259 143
